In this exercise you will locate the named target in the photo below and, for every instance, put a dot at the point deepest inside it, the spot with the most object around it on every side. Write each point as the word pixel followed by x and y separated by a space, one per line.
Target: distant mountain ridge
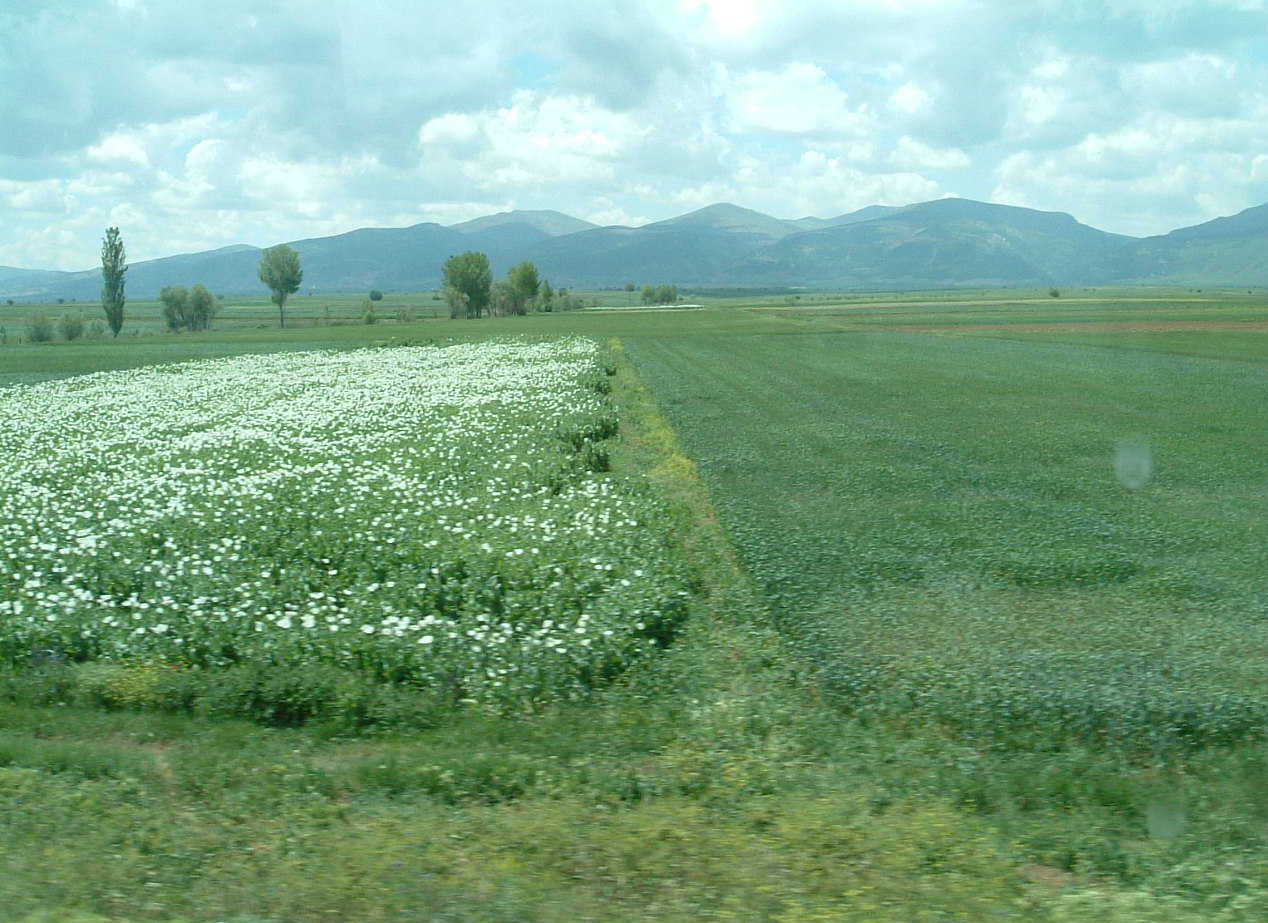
pixel 942 243
pixel 551 223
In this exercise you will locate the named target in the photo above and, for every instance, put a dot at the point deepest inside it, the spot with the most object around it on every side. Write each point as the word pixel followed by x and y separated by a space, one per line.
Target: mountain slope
pixel 15 282
pixel 946 242
pixel 652 254
pixel 405 259
pixel 551 223
pixel 1232 250
pixel 729 218
pixel 864 214
pixel 698 247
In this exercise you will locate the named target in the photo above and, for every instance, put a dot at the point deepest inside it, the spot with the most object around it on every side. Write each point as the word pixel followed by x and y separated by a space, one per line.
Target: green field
pixel 941 520
pixel 978 633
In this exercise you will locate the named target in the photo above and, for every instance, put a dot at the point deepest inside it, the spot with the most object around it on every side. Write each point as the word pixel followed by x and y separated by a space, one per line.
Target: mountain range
pixel 944 243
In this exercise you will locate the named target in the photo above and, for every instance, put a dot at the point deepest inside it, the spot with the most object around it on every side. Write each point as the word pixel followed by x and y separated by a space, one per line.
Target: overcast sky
pixel 194 125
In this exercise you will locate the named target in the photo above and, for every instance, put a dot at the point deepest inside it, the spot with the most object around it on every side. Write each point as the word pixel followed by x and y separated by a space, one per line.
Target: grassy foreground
pixel 730 778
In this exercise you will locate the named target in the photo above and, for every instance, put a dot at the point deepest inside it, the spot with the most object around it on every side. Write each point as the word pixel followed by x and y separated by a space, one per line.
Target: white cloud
pixel 824 185
pixel 799 99
pixel 456 212
pixel 42 196
pixel 910 99
pixel 452 128
pixel 538 140
pixel 814 183
pixel 914 154
pixel 1196 84
pixel 607 213
pixel 119 148
pixel 731 18
pixel 1153 175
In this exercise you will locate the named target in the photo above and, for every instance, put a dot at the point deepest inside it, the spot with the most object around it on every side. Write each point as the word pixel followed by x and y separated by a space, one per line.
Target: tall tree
pixel 525 284
pixel 175 300
pixel 113 267
pixel 456 300
pixel 503 300
pixel 469 274
pixel 202 308
pixel 279 270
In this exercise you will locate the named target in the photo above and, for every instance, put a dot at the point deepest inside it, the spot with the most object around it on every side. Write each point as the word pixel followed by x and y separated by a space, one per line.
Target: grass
pixel 897 537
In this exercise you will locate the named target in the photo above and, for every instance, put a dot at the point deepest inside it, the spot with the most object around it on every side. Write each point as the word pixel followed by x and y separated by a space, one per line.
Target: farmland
pixel 976 624
pixel 416 513
pixel 941 521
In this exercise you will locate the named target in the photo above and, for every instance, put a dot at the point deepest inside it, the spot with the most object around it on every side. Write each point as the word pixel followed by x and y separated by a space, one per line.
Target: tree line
pixel 468 289
pixel 663 294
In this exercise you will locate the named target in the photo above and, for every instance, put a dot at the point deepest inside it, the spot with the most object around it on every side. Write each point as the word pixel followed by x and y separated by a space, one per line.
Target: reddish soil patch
pixel 984 305
pixel 1124 326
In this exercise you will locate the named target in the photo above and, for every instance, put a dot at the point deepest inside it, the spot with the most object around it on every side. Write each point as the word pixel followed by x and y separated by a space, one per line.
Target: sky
pixel 194 125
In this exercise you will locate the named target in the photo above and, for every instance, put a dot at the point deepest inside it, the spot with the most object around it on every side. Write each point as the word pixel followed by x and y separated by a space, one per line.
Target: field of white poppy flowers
pixel 437 516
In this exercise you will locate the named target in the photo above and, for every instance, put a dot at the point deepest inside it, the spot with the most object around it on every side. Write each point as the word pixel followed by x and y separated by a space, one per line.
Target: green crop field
pixel 942 521
pixel 852 606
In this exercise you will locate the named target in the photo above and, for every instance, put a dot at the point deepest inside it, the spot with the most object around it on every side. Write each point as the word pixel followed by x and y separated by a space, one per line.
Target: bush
pixel 405 315
pixel 1054 293
pixel 376 295
pixel 367 313
pixel 71 326
pixel 39 329
pixel 97 329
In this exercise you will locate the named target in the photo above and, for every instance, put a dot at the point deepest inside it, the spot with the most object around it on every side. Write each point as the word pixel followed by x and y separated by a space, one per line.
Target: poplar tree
pixel 113 267
pixel 202 308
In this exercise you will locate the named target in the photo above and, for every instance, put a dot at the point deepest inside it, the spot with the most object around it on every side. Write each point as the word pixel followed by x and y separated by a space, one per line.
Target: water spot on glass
pixel 1166 819
pixel 1134 462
